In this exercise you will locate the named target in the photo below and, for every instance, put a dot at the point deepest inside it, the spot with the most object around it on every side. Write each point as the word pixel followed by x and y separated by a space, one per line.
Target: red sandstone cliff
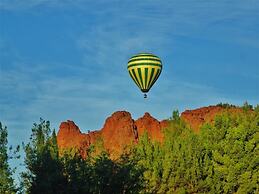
pixel 118 132
pixel 195 118
pixel 152 126
pixel 121 130
pixel 69 136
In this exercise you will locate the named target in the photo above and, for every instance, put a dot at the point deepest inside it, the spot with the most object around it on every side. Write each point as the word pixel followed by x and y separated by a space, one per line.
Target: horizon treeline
pixel 222 158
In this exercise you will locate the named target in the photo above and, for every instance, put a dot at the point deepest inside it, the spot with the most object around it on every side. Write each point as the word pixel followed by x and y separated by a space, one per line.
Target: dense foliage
pixel 221 158
pixel 48 172
pixel 6 181
pixel 44 169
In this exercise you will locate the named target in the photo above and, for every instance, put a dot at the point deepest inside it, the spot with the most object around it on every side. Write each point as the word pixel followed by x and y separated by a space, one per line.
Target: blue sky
pixel 67 59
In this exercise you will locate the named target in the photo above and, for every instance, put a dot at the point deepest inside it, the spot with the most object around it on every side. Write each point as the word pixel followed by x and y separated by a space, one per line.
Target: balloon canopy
pixel 144 69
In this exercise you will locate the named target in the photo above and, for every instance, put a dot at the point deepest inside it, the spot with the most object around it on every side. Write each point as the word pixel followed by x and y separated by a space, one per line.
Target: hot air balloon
pixel 144 69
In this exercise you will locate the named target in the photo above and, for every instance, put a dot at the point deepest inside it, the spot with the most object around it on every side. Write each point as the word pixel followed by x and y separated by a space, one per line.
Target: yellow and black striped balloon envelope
pixel 144 69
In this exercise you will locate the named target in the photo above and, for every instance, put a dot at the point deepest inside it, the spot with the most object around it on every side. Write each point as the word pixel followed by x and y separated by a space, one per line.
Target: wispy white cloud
pixel 59 98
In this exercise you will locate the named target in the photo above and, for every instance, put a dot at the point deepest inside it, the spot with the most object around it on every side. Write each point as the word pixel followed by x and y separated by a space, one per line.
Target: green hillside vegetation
pixel 222 158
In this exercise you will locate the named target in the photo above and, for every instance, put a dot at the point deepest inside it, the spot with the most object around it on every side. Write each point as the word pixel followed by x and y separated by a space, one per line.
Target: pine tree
pixel 6 181
pixel 44 170
pixel 232 143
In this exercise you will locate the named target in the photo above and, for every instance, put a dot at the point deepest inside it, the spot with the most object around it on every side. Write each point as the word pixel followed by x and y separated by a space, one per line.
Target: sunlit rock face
pixel 196 118
pixel 152 126
pixel 120 130
pixel 70 137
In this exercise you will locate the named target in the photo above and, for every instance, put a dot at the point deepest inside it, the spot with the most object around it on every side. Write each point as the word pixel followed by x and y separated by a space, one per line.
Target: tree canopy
pixel 221 158
pixel 7 185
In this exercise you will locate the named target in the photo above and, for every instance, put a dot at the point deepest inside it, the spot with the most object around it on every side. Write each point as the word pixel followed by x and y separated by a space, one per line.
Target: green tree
pixel 121 176
pixel 183 163
pixel 78 173
pixel 222 158
pixel 44 170
pixel 226 105
pixel 256 108
pixel 247 106
pixel 6 181
pixel 47 172
pixel 232 144
pixel 101 175
pixel 149 156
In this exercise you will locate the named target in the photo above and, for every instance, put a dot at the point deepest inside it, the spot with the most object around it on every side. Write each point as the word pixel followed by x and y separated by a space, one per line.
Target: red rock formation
pixel 69 136
pixel 195 118
pixel 152 126
pixel 120 130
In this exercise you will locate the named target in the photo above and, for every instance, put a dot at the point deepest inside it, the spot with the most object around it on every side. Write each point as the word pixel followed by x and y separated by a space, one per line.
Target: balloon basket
pixel 145 95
